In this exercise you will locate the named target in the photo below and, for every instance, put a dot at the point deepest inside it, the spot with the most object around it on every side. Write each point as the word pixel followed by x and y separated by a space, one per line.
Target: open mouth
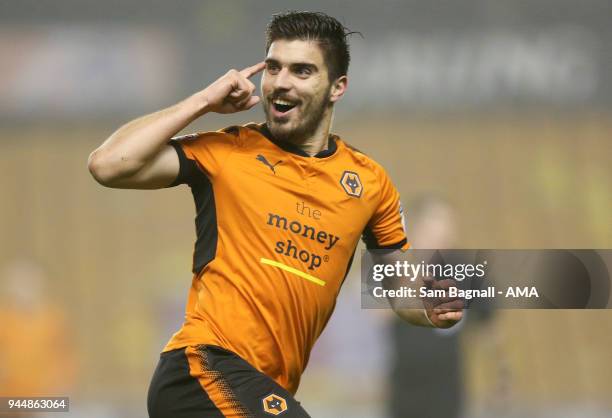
pixel 283 106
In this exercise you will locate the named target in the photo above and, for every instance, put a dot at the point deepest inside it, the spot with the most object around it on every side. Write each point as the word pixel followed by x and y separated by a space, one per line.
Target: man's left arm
pixel 433 312
pixel 386 231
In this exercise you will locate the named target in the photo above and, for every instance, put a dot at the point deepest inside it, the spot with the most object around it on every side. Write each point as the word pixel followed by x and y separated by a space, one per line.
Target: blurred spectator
pixel 36 353
pixel 426 376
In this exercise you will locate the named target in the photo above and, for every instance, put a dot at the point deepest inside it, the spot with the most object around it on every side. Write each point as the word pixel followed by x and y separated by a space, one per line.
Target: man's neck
pixel 316 143
pixel 319 140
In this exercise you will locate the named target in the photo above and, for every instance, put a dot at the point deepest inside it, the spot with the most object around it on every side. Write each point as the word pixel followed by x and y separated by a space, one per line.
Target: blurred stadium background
pixel 502 108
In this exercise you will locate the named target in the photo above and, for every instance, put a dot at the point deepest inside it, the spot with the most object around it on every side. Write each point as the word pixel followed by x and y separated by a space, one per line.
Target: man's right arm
pixel 137 155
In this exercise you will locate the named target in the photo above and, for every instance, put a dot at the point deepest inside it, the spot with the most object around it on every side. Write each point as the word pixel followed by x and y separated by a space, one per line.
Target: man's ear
pixel 338 88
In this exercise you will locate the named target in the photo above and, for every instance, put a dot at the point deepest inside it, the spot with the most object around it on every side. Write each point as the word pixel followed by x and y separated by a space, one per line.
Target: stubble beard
pixel 313 116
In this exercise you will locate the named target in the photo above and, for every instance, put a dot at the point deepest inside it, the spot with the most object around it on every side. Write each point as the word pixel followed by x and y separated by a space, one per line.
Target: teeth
pixel 282 102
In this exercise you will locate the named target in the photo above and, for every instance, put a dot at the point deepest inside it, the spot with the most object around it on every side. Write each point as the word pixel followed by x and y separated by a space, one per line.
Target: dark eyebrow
pixel 308 65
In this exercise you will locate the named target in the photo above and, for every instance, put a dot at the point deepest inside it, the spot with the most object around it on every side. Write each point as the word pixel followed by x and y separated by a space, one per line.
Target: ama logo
pixel 351 183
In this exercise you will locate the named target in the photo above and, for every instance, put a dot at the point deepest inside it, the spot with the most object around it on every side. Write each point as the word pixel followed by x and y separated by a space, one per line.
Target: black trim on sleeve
pixel 206 222
pixel 371 242
pixel 369 239
pixel 206 211
pixel 397 246
pixel 188 169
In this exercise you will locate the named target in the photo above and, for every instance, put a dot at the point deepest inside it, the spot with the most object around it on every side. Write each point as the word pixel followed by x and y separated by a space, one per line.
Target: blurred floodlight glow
pixel 549 66
pixel 80 70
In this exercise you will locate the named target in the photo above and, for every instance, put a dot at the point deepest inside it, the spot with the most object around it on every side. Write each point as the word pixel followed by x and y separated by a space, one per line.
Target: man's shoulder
pixel 244 134
pixel 201 135
pixel 229 135
pixel 250 128
pixel 359 157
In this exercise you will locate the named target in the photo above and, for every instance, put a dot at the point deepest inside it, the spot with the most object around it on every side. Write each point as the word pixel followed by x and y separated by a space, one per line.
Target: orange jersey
pixel 276 234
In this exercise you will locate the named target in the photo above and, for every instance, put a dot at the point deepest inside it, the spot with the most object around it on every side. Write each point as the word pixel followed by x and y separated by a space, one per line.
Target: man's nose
pixel 283 80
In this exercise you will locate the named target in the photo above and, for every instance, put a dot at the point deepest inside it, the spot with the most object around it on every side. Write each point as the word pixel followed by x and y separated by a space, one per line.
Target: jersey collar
pixel 289 147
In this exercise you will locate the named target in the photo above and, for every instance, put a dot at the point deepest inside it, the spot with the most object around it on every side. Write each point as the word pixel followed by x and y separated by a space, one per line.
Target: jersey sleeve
pixel 202 153
pixel 386 228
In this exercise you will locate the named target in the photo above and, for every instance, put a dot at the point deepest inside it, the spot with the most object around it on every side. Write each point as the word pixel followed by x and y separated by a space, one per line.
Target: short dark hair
pixel 326 30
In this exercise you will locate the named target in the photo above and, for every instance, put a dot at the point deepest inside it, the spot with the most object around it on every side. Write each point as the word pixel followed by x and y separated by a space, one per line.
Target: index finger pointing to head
pixel 252 70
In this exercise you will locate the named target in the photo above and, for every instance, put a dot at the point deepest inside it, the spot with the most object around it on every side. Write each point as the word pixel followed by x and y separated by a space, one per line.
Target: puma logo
pixel 266 163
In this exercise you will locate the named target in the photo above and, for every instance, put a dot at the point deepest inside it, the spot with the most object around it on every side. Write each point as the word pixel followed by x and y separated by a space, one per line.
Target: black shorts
pixel 206 381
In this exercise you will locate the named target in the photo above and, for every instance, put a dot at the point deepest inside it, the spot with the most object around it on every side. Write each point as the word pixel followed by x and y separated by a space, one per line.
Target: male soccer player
pixel 280 209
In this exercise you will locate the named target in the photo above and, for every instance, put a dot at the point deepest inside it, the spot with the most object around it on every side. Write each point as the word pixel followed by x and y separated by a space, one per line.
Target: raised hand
pixel 233 92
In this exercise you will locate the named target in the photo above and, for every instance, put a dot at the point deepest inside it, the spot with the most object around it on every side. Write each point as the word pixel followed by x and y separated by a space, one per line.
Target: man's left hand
pixel 443 312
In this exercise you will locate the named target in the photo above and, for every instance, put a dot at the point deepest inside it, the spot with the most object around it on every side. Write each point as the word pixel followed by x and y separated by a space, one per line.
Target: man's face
pixel 295 89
